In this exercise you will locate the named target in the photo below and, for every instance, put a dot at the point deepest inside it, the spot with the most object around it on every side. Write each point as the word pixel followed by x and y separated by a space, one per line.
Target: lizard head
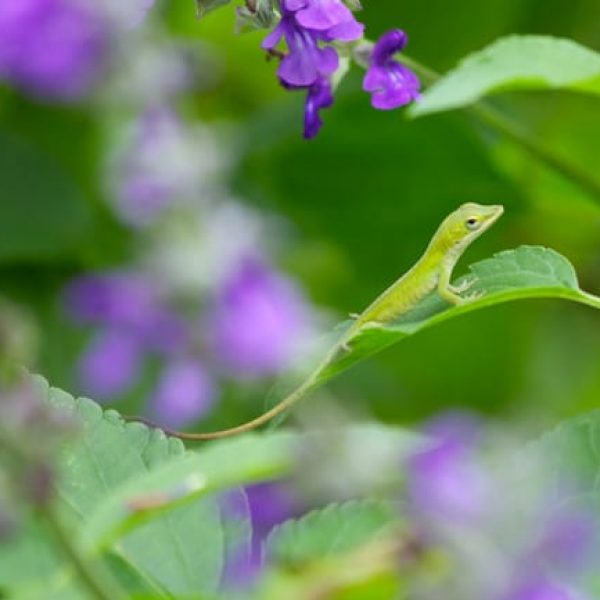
pixel 468 222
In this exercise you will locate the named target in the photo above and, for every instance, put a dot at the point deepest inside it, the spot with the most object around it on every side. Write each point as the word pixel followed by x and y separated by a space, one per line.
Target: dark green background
pixel 362 200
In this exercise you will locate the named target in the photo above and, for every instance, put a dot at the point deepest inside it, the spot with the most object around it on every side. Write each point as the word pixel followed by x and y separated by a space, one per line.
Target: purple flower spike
pixel 319 96
pixel 305 61
pixel 52 48
pixel 110 365
pixel 332 17
pixel 119 299
pixel 258 320
pixel 390 83
pixel 185 393
pixel 540 589
pixel 444 480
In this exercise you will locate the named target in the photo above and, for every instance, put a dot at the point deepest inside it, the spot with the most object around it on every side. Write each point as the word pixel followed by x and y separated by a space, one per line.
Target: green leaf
pixel 42 214
pixel 530 62
pixel 524 273
pixel 570 454
pixel 206 6
pixel 220 466
pixel 229 463
pixel 258 14
pixel 336 529
pixel 181 551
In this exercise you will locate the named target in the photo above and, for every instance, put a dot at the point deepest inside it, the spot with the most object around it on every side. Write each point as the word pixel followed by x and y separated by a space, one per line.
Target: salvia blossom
pixel 134 322
pixel 390 83
pixel 445 479
pixel 259 321
pixel 185 393
pixel 319 96
pixel 306 25
pixel 110 364
pixel 458 501
pixel 540 589
pixel 162 163
pixel 54 49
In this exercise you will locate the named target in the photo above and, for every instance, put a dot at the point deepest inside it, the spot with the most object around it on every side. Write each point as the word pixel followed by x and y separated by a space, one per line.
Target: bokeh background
pixel 331 222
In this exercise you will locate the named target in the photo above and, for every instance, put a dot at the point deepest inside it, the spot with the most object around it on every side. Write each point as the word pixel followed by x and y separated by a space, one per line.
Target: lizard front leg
pixel 447 291
pixel 450 293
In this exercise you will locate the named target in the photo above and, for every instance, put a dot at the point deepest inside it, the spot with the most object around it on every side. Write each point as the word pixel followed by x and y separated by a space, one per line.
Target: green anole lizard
pixel 432 271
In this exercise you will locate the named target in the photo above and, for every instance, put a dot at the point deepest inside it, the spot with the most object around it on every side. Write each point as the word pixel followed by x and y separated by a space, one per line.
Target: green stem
pixel 99 585
pixel 96 582
pixel 518 134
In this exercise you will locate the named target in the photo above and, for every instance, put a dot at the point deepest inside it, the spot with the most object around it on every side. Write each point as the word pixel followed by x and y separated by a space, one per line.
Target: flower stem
pixel 518 134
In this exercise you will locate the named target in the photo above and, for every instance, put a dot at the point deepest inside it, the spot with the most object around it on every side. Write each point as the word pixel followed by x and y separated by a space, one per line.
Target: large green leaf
pixel 229 463
pixel 517 62
pixel 335 529
pixel 524 273
pixel 219 466
pixel 181 551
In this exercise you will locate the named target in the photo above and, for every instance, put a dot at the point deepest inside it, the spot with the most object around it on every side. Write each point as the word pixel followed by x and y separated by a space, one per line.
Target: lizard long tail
pixel 278 409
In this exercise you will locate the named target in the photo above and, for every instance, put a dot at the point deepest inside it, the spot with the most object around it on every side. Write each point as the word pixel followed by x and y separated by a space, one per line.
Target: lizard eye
pixel 472 223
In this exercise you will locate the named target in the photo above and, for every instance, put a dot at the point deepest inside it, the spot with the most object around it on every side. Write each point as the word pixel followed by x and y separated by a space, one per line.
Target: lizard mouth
pixel 496 212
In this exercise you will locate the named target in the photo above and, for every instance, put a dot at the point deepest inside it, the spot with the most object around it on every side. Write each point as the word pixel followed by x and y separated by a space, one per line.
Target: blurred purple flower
pixel 185 393
pixel 539 589
pixel 163 162
pixel 52 48
pixel 258 321
pixel 390 83
pixel 134 321
pixel 444 480
pixel 111 364
pixel 241 568
pixel 319 96
pixel 569 539
pixel 120 299
pixel 271 503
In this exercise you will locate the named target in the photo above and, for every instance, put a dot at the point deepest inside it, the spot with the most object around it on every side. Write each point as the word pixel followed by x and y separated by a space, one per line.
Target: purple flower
pixel 110 365
pixel 568 540
pixel 330 17
pixel 163 162
pixel 185 393
pixel 271 503
pixel 119 299
pixel 305 25
pixel 539 589
pixel 258 321
pixel 305 61
pixel 51 48
pixel 319 96
pixel 445 480
pixel 390 83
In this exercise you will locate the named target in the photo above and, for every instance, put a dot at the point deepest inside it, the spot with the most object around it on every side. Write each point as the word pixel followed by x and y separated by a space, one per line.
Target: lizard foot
pixel 473 296
pixel 463 286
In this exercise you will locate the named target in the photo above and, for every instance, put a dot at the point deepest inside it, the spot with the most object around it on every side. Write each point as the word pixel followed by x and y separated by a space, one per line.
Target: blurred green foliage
pixel 362 200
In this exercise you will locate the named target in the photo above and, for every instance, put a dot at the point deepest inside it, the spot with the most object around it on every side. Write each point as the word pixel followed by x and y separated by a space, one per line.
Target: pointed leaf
pixel 335 529
pixel 527 62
